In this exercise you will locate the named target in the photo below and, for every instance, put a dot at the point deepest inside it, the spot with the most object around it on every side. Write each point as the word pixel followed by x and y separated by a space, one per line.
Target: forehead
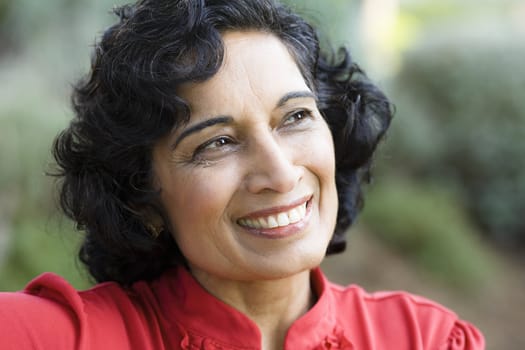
pixel 256 65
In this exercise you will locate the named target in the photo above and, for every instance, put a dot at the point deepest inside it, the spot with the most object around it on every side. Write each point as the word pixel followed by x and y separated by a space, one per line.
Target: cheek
pixel 198 200
pixel 190 207
pixel 319 151
pixel 198 211
pixel 322 164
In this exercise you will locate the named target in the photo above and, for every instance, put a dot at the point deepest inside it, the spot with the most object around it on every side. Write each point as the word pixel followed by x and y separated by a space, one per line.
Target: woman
pixel 215 157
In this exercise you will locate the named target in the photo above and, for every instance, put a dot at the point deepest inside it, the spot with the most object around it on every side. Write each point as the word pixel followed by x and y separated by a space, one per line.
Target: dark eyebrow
pixel 202 125
pixel 294 94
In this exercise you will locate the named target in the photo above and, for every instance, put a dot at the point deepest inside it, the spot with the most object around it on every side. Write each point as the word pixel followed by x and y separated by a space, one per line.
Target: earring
pixel 154 231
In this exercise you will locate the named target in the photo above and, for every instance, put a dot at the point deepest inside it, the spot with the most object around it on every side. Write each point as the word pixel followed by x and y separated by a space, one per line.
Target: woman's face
pixel 248 183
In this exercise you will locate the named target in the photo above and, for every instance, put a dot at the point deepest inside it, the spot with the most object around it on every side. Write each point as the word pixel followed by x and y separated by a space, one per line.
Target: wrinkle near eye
pixel 180 158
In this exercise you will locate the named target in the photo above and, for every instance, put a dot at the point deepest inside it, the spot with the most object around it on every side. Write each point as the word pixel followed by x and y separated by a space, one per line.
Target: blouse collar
pixel 202 316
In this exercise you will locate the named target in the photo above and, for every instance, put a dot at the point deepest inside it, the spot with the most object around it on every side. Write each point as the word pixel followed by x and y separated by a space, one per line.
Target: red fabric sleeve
pixel 51 314
pixel 32 322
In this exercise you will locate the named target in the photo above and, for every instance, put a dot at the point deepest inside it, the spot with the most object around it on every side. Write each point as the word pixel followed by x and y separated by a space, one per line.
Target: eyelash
pixel 304 115
pixel 205 146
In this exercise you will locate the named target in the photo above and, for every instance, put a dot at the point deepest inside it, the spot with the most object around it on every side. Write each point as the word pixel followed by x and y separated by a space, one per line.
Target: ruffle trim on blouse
pixel 196 342
pixel 335 341
pixel 464 336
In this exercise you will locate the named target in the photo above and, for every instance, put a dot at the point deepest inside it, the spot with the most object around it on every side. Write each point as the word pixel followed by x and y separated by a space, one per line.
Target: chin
pixel 289 267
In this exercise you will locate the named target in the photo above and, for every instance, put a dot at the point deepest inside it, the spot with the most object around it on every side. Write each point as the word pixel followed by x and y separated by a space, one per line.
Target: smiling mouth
pixel 281 219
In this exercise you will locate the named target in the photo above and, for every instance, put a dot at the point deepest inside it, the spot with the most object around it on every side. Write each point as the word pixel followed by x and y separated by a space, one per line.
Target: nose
pixel 271 166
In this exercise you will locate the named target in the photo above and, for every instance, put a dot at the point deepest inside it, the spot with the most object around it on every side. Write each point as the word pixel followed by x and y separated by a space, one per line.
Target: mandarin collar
pixel 206 319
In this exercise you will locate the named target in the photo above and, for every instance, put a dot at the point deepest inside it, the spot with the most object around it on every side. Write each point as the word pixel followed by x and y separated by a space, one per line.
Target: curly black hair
pixel 128 101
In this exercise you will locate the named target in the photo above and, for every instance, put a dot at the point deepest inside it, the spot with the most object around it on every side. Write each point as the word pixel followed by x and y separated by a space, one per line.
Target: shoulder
pixel 50 313
pixel 45 314
pixel 408 320
pixel 389 302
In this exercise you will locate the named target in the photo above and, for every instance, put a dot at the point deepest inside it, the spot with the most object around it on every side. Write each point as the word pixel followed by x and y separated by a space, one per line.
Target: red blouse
pixel 175 312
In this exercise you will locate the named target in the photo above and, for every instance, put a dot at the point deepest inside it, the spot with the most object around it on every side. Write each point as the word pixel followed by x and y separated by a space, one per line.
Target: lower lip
pixel 283 231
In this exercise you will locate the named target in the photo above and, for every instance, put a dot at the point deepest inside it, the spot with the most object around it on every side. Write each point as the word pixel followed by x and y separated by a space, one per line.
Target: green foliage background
pixel 463 124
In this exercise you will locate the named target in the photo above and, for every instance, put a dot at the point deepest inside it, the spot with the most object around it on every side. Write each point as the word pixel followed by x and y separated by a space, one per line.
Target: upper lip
pixel 276 209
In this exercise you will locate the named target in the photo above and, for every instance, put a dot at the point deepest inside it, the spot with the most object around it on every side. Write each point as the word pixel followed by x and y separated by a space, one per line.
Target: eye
pixel 297 117
pixel 218 142
pixel 215 144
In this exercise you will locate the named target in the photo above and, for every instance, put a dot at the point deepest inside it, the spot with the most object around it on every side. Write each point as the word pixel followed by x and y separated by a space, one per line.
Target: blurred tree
pixel 336 20
pixel 461 122
pixel 5 40
pixel 4 7
pixel 51 44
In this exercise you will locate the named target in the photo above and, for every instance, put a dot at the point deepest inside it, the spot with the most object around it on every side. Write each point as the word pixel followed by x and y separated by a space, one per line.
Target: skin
pixel 255 142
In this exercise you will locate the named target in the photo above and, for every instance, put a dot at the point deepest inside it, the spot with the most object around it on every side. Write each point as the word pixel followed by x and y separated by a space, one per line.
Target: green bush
pixel 41 244
pixel 429 226
pixel 30 117
pixel 461 119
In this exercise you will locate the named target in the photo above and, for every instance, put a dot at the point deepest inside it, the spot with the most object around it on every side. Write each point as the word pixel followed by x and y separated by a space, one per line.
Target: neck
pixel 272 304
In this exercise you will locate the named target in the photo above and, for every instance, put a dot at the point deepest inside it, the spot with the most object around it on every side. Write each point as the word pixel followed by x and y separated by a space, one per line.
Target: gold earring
pixel 155 231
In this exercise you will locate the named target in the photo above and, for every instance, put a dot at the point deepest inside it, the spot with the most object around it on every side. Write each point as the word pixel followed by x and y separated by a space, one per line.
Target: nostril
pixel 277 181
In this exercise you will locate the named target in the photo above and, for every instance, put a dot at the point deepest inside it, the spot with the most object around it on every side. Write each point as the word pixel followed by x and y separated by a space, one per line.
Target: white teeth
pixel 272 221
pixel 282 219
pixel 294 216
pixel 302 210
pixel 253 223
